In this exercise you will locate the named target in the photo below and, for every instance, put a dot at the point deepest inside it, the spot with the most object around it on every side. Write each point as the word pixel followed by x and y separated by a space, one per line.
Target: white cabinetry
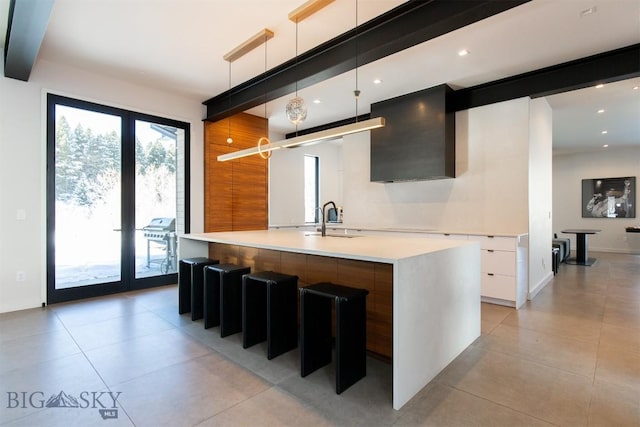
pixel 503 269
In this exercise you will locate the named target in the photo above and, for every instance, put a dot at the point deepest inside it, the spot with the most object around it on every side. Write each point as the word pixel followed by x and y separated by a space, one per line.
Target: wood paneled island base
pixel 376 277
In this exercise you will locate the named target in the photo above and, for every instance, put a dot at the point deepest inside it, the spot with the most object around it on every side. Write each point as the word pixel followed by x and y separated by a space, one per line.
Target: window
pixel 311 189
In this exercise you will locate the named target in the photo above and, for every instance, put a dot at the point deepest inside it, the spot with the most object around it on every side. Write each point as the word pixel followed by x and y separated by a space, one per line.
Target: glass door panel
pixel 155 198
pixel 88 224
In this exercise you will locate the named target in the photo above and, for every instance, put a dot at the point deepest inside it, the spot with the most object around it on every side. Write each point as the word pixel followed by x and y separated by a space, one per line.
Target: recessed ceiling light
pixel 605 145
pixel 600 111
pixel 463 52
pixel 377 81
pixel 316 101
pixel 604 132
pixel 600 86
pixel 636 87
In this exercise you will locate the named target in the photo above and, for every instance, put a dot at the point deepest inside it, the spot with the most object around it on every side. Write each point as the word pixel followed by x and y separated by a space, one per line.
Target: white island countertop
pixel 436 291
pixel 385 249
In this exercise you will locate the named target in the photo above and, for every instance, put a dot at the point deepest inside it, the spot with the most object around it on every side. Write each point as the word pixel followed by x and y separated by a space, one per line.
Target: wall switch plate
pixel 21 215
pixel 21 276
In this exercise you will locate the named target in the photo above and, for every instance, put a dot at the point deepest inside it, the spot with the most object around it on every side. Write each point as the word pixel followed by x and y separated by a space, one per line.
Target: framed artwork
pixel 609 197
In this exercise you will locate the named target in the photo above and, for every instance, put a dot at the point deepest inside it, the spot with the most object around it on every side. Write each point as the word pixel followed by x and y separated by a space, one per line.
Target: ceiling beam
pixel 407 25
pixel 27 24
pixel 607 67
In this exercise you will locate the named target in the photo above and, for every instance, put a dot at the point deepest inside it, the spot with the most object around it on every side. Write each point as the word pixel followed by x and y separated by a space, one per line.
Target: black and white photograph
pixel 608 197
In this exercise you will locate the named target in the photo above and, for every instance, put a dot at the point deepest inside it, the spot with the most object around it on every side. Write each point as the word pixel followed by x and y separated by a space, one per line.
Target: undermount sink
pixel 318 234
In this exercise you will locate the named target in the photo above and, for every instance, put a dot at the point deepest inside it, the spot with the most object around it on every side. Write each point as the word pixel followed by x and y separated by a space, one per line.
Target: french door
pixel 117 195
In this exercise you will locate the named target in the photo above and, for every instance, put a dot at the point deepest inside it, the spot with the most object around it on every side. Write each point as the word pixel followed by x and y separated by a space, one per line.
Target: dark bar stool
pixel 351 331
pixel 555 259
pixel 191 285
pixel 223 297
pixel 270 311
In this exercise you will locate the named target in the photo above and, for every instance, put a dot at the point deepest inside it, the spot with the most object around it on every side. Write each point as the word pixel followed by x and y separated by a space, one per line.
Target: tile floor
pixel 571 357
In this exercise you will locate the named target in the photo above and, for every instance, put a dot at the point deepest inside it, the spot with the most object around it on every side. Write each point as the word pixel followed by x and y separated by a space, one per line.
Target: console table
pixel 582 246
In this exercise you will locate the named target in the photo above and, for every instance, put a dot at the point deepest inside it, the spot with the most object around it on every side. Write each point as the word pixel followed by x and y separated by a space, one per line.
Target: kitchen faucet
pixel 324 225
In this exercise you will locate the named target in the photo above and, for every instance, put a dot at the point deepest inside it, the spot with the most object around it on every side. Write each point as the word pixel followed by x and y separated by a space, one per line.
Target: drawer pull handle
pixel 491 237
pixel 447 234
pixel 489 274
pixel 489 250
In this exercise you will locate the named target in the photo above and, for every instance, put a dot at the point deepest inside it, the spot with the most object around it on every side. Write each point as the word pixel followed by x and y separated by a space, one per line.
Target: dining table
pixel 582 246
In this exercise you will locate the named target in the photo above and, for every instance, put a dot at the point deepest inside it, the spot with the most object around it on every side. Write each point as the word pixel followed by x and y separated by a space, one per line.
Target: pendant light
pixel 296 109
pixel 256 40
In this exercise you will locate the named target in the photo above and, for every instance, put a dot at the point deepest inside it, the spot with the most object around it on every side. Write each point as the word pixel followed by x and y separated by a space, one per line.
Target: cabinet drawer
pixel 498 286
pixel 496 243
pixel 498 262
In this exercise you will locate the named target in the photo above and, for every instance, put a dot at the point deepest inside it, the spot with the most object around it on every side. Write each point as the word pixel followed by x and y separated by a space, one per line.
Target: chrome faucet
pixel 324 225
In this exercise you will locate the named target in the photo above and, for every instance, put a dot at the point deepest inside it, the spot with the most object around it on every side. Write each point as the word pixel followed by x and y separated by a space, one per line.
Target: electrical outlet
pixel 21 276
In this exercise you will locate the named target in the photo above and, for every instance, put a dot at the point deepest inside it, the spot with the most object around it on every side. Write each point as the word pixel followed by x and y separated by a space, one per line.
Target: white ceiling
pixel 178 45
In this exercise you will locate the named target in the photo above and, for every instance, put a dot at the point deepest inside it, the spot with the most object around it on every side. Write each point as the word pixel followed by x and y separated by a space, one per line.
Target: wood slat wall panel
pixel 236 191
pixel 375 277
pixel 269 260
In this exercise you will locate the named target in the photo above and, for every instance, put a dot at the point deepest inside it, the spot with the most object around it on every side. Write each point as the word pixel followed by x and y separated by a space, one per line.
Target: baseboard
pixel 540 285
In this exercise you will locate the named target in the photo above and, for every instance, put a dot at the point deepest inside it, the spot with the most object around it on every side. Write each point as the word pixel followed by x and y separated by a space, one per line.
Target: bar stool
pixel 270 311
pixel 223 297
pixel 351 335
pixel 191 285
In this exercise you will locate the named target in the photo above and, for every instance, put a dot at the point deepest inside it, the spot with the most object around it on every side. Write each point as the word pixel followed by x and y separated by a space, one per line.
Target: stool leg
pixel 184 288
pixel 254 313
pixel 351 342
pixel 282 318
pixel 315 332
pixel 211 298
pixel 197 291
pixel 230 303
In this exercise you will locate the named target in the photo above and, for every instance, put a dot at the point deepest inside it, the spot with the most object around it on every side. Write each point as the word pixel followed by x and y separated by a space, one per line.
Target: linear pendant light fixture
pixel 322 135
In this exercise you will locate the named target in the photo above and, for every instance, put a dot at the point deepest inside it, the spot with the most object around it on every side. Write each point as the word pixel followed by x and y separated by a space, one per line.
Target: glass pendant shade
pixel 296 110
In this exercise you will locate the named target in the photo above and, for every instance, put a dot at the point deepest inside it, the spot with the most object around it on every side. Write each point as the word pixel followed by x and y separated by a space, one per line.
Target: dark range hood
pixel 418 140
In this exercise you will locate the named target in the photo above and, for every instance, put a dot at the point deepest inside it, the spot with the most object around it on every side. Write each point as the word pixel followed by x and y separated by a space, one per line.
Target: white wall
pixel 489 194
pixel 540 197
pixel 23 163
pixel 568 172
pixel 286 181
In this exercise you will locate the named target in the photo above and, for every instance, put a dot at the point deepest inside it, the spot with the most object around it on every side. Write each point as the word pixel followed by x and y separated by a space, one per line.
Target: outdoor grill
pixel 162 231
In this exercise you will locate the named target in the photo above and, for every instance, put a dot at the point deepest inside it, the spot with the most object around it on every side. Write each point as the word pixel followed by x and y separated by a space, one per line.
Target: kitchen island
pixel 431 297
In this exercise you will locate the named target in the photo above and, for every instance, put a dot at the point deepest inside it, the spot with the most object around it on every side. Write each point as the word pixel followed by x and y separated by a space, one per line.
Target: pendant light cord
pixel 265 92
pixel 356 92
pixel 296 56
pixel 229 140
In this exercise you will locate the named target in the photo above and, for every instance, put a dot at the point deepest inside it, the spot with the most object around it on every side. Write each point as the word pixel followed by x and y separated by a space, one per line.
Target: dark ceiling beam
pixel 607 67
pixel 27 24
pixel 407 25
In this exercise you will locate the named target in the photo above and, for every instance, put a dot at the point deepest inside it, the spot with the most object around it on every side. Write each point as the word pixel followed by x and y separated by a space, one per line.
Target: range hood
pixel 418 141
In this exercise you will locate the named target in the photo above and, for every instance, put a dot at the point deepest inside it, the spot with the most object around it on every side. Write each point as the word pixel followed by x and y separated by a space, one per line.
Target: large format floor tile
pixel 130 359
pixel 570 357
pixel 188 393
pixel 439 405
pixel 553 395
